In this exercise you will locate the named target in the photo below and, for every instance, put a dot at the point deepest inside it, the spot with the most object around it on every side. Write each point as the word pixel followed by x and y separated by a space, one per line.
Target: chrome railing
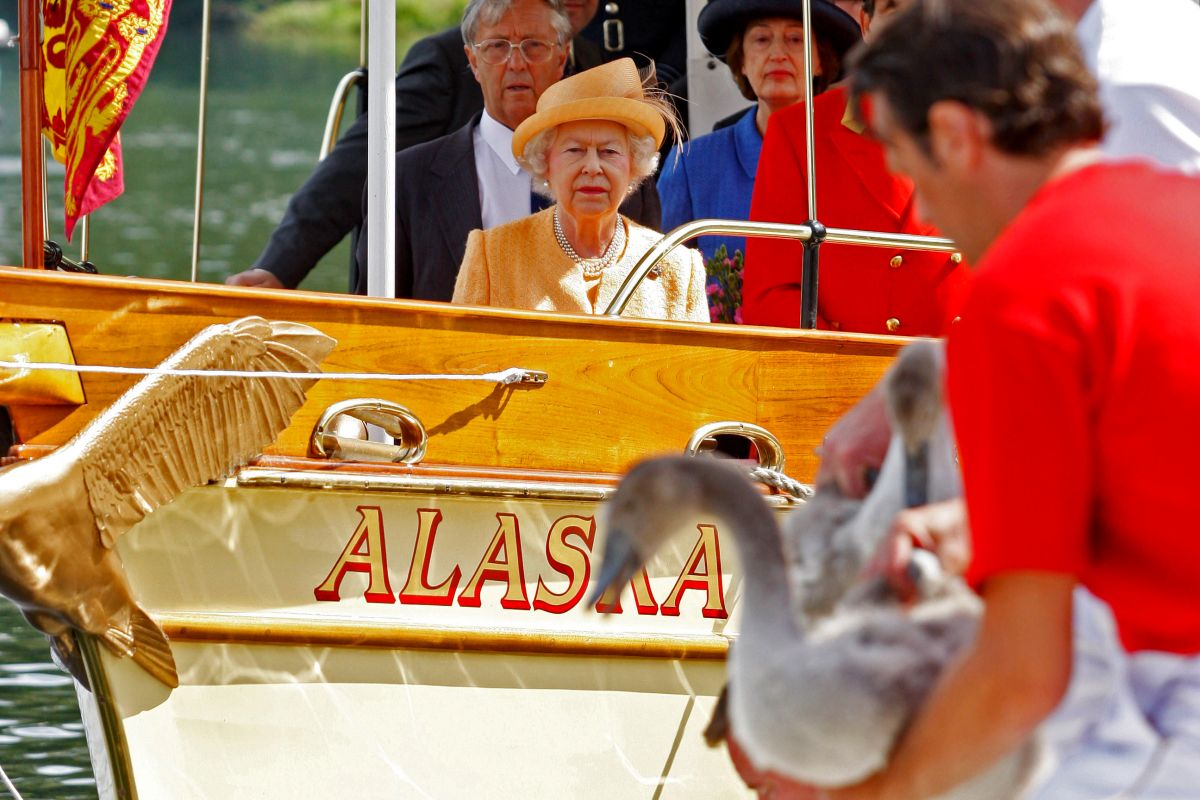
pixel 779 230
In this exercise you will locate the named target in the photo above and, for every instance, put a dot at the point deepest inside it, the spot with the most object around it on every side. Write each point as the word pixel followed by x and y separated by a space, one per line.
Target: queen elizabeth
pixel 593 139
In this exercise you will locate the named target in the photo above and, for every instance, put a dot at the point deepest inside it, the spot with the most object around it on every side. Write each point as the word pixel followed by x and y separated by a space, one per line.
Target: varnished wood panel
pixel 618 390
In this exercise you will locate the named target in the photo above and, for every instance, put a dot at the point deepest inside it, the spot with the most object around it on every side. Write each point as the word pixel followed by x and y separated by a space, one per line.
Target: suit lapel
pixel 456 190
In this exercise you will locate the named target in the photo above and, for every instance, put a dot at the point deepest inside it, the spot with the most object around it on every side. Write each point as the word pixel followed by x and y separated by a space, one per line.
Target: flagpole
pixel 33 220
pixel 201 131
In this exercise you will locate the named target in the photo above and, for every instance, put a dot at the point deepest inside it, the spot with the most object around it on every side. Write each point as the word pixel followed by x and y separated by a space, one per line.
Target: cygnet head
pixel 914 400
pixel 914 393
pixel 645 512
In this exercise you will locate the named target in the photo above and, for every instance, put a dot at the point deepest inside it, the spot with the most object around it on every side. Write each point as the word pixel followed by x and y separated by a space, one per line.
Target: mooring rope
pixel 792 488
pixel 504 377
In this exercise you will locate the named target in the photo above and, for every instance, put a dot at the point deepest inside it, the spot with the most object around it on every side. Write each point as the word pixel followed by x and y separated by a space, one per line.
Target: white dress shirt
pixel 504 188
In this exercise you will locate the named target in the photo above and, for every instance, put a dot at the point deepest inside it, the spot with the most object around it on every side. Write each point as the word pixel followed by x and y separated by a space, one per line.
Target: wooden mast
pixel 33 223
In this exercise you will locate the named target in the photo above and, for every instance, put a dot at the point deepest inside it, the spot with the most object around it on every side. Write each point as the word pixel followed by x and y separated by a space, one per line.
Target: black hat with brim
pixel 721 20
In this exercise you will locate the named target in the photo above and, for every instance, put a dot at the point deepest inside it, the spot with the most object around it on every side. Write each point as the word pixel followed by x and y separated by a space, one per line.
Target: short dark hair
pixel 824 54
pixel 1015 61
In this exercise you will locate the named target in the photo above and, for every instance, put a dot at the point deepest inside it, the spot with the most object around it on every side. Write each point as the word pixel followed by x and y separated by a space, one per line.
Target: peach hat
pixel 611 91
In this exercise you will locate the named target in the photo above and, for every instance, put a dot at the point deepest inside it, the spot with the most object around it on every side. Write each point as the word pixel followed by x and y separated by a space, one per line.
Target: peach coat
pixel 520 265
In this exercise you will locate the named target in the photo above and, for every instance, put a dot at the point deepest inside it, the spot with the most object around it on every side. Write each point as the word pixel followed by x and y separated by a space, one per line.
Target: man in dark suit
pixel 435 94
pixel 469 179
pixel 649 31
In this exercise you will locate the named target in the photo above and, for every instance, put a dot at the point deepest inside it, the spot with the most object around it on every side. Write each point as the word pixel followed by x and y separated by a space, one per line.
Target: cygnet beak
pixel 916 475
pixel 621 561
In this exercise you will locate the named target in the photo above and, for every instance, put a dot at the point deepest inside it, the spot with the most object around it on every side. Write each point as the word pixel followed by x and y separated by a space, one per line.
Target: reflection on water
pixel 266 113
pixel 42 747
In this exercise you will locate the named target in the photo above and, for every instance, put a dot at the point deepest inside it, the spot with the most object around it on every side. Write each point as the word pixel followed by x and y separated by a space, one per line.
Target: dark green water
pixel 266 113
pixel 42 748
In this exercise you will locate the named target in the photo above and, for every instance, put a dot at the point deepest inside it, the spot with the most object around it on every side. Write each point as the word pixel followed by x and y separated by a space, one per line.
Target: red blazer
pixel 863 289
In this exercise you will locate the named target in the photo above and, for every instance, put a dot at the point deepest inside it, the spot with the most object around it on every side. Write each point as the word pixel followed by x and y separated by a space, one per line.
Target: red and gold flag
pixel 96 58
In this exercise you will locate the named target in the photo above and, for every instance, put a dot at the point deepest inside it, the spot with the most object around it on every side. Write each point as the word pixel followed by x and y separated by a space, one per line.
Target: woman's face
pixel 773 59
pixel 589 167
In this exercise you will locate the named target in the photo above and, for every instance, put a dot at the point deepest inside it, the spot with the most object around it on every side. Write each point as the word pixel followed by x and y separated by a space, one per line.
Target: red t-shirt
pixel 1074 381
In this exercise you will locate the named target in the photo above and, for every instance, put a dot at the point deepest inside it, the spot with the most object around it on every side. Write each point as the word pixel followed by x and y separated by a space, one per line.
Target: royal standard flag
pixel 97 55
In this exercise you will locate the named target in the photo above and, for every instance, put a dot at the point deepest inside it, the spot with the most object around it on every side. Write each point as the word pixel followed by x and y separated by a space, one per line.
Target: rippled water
pixel 42 747
pixel 266 114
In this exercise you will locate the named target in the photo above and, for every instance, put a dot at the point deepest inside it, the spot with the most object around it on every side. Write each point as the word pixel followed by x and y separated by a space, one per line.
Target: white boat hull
pixel 284 695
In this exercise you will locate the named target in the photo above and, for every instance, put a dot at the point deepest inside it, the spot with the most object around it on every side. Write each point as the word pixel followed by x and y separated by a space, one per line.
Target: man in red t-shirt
pixel 1073 381
pixel 861 289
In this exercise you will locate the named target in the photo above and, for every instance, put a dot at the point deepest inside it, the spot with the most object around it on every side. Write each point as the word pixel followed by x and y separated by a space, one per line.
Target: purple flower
pixel 737 316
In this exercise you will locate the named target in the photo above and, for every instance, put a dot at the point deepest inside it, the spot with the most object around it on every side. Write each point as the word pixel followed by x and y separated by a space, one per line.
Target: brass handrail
pixel 778 230
pixel 337 107
pixel 312 631
pixel 395 420
pixel 407 483
pixel 770 449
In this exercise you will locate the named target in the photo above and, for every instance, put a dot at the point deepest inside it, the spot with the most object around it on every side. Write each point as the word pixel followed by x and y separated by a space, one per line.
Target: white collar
pixel 499 139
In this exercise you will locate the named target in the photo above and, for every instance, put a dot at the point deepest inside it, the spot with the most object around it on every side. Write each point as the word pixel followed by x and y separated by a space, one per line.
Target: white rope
pixel 504 377
pixel 792 488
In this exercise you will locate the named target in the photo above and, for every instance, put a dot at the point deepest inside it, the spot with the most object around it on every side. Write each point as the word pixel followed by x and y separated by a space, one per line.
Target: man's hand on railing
pixel 260 278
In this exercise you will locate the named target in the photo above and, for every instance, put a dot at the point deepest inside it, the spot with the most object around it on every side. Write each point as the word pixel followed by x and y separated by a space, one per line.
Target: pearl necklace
pixel 592 267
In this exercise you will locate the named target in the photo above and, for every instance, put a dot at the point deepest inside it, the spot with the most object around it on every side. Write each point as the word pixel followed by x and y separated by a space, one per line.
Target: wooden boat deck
pixel 618 389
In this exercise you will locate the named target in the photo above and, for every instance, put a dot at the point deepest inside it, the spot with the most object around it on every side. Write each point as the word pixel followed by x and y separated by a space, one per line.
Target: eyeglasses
pixel 498 51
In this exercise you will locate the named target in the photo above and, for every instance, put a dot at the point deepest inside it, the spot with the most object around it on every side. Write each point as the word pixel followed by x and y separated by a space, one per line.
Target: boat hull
pixel 473 670
pixel 420 631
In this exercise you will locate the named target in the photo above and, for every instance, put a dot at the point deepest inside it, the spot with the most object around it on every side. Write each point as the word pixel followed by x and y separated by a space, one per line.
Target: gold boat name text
pixel 568 554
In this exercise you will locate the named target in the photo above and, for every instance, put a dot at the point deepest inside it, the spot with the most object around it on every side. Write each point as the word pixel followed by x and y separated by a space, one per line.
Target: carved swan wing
pixel 172 432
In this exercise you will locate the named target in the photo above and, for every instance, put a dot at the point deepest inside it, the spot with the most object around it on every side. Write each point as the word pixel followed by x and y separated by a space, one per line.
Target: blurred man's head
pixel 516 48
pixel 971 99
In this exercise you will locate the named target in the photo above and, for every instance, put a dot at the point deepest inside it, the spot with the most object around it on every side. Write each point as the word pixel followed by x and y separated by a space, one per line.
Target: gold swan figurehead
pixel 61 515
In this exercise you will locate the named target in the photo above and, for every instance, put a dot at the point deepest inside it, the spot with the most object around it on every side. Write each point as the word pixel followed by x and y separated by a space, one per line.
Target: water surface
pixel 42 747
pixel 266 114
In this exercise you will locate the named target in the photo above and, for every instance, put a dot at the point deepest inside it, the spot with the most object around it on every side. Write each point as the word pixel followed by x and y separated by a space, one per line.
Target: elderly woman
pixel 592 140
pixel 762 42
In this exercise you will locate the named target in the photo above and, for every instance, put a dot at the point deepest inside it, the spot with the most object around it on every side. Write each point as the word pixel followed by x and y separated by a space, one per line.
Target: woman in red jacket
pixel 862 289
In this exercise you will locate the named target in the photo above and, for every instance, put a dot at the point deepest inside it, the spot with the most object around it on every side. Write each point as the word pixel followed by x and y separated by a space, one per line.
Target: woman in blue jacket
pixel 762 42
